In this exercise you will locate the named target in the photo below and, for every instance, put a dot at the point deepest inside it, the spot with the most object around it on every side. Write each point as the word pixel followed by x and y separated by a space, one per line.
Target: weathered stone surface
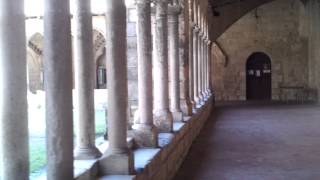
pixel 84 85
pixel 273 29
pixel 58 87
pixel 14 150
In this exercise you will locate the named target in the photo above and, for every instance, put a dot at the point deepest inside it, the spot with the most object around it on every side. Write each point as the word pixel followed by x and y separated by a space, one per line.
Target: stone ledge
pixel 161 163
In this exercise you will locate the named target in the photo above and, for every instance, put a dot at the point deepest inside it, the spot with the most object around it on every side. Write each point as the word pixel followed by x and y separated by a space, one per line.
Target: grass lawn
pixel 37 145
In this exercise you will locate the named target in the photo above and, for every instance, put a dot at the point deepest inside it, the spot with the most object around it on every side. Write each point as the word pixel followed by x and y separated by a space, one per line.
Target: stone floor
pixel 249 141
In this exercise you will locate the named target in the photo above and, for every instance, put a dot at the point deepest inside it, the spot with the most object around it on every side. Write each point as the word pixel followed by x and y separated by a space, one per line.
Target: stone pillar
pixel 173 44
pixel 84 67
pixel 195 57
pixel 195 66
pixel 14 152
pixel 191 73
pixel 204 57
pixel 206 67
pixel 209 67
pixel 145 133
pixel 162 116
pixel 186 105
pixel 118 159
pixel 58 88
pixel 200 71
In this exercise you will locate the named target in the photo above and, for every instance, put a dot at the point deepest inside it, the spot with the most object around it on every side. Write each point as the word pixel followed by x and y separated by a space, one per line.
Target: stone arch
pixel 232 13
pixel 35 62
pixel 99 43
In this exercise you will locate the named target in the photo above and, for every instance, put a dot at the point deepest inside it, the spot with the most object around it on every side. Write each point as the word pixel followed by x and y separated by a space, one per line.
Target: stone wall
pixel 156 163
pixel 277 29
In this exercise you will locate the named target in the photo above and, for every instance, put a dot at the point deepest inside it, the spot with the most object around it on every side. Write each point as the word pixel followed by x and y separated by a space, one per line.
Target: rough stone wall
pixel 277 29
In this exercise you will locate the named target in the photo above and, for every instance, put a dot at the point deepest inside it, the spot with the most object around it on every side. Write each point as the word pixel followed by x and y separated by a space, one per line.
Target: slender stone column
pixel 162 116
pixel 14 149
pixel 191 73
pixel 58 88
pixel 208 67
pixel 200 71
pixel 84 82
pixel 195 66
pixel 196 52
pixel 173 44
pixel 204 57
pixel 118 158
pixel 145 133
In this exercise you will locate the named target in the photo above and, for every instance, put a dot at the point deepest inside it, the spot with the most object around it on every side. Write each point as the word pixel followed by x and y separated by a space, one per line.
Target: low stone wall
pixel 164 162
pixel 167 162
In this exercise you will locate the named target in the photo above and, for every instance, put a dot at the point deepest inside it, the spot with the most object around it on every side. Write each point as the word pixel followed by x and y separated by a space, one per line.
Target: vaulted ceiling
pixel 226 12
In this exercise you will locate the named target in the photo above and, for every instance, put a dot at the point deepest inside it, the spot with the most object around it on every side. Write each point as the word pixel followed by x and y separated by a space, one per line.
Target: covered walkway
pixel 255 142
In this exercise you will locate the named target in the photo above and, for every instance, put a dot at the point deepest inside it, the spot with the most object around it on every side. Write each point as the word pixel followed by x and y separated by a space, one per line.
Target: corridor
pixel 256 142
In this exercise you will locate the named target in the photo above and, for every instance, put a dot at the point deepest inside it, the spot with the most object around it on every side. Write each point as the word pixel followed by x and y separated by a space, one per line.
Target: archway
pixel 258 73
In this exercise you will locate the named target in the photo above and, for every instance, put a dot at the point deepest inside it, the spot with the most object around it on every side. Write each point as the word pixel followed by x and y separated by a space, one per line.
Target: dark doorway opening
pixel 258 73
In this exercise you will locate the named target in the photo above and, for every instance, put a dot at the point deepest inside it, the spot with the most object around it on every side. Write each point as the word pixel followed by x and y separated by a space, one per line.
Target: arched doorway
pixel 258 73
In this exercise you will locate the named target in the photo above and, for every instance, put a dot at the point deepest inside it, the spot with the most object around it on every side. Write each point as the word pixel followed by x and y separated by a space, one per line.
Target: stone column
pixel 84 67
pixel 118 158
pixel 204 57
pixel 195 66
pixel 145 132
pixel 162 116
pixel 208 67
pixel 58 88
pixel 200 71
pixel 14 149
pixel 190 34
pixel 173 44
pixel 195 57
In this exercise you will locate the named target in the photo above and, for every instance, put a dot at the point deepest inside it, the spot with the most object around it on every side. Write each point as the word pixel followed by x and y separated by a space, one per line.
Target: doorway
pixel 258 77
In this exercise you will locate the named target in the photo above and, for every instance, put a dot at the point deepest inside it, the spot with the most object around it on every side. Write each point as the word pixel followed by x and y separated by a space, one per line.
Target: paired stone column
pixel 191 63
pixel 145 133
pixel 58 88
pixel 118 159
pixel 173 44
pixel 14 157
pixel 84 67
pixel 162 116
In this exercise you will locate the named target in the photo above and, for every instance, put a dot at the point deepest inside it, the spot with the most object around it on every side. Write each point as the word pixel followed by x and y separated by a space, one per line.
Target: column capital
pixel 196 29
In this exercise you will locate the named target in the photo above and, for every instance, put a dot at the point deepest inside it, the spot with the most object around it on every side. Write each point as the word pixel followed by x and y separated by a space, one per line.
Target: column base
pixel 177 116
pixel 186 107
pixel 163 120
pixel 86 153
pixel 116 164
pixel 144 135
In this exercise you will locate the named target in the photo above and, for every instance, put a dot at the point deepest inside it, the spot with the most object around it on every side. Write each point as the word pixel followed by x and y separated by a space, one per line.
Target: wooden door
pixel 258 73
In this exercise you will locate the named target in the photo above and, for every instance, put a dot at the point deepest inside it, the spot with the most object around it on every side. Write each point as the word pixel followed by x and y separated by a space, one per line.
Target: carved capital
pixel 196 29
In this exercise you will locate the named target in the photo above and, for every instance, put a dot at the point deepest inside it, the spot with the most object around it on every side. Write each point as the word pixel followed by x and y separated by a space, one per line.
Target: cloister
pixel 165 67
